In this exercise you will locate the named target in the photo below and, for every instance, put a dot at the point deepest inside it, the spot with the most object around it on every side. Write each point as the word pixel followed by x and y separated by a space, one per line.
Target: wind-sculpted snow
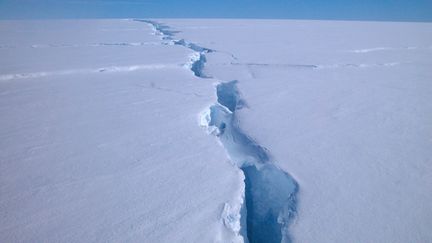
pixel 383 49
pixel 282 65
pixel 102 44
pixel 114 69
pixel 270 193
pixel 359 65
pixel 315 66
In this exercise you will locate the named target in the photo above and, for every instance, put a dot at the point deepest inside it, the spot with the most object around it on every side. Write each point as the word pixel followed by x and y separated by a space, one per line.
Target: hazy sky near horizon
pixel 387 10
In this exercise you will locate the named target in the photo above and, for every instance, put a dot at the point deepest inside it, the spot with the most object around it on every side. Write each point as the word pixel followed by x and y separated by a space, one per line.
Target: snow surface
pixel 106 155
pixel 322 131
pixel 345 108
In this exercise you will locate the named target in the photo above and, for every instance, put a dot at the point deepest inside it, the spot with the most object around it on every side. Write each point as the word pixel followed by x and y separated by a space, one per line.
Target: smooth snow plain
pixel 311 131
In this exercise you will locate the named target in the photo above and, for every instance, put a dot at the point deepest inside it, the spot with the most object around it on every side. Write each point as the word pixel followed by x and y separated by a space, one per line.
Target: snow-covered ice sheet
pixel 327 124
pixel 108 153
pixel 345 108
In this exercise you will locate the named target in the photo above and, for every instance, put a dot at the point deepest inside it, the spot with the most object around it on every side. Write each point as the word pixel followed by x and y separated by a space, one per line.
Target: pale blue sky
pixel 389 10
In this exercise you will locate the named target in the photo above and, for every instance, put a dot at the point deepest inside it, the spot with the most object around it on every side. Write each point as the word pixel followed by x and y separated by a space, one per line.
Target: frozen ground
pixel 312 131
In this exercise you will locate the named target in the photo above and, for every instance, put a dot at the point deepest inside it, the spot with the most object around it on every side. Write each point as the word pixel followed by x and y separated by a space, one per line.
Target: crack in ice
pixel 270 193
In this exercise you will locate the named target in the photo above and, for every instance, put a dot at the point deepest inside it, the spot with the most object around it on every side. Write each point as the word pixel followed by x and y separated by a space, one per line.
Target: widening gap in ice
pixel 270 193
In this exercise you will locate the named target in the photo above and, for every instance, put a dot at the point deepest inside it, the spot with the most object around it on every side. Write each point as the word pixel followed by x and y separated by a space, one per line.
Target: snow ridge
pixel 270 193
pixel 109 69
pixel 101 44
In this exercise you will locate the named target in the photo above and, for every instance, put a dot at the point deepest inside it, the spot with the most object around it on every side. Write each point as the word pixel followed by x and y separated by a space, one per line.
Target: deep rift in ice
pixel 270 193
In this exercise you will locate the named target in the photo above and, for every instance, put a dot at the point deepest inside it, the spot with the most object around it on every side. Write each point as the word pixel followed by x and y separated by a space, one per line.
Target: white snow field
pixel 174 130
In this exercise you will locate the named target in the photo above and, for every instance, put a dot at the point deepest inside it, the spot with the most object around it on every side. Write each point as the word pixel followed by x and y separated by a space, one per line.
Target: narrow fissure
pixel 270 193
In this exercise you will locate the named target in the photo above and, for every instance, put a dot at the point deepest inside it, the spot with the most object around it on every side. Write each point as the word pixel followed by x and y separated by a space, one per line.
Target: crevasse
pixel 270 193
